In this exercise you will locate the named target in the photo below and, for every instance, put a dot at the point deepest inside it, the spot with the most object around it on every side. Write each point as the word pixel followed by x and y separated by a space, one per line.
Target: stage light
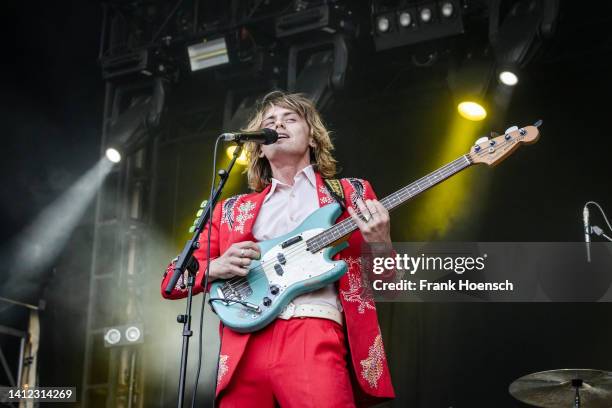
pixel 512 47
pixel 415 22
pixel 425 14
pixel 447 9
pixel 113 155
pixel 472 110
pixel 382 24
pixel 130 129
pixel 112 337
pixel 242 159
pixel 309 17
pixel 208 54
pixel 405 19
pixel 132 334
pixel 508 78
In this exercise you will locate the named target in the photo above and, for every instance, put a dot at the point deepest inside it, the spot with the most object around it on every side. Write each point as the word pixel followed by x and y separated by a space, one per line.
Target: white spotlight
pixel 447 9
pixel 112 336
pixel 426 15
pixel 405 19
pixel 113 155
pixel 508 78
pixel 132 334
pixel 382 24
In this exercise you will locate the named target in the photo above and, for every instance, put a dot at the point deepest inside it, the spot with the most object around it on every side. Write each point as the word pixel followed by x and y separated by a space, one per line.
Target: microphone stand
pixel 186 259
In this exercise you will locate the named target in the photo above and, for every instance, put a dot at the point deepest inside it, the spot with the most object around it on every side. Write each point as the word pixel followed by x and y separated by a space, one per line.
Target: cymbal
pixel 555 388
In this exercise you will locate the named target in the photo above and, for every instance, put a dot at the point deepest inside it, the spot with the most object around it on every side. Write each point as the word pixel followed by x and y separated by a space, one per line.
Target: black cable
pixel 170 15
pixel 603 214
pixel 205 281
pixel 196 14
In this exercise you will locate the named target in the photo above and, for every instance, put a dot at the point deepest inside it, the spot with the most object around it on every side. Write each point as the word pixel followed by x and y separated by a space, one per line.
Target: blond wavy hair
pixel 259 172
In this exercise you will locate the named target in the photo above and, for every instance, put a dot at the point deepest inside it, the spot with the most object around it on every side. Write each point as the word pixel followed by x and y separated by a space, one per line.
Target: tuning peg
pixel 538 123
pixel 482 140
pixel 511 129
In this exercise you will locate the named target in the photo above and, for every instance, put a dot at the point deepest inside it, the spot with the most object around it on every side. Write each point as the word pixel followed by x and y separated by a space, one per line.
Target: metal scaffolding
pixel 111 375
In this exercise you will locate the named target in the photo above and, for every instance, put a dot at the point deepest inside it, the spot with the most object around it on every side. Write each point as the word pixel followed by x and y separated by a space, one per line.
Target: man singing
pixel 325 349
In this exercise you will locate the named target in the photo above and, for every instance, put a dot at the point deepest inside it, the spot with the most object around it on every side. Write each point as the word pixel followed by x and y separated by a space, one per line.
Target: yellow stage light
pixel 472 110
pixel 242 159
pixel 450 203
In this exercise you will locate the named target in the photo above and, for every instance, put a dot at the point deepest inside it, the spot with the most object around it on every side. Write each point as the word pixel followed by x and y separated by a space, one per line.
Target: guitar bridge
pixel 227 300
pixel 235 291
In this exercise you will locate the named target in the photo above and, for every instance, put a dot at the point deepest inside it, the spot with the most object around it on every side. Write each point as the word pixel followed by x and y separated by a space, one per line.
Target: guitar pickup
pixel 281 258
pixel 279 269
pixel 291 241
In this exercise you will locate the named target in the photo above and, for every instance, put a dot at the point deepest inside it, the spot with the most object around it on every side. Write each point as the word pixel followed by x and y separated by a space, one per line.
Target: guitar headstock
pixel 493 151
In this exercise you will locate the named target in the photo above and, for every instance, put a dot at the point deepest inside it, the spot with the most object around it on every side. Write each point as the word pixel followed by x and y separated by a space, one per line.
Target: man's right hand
pixel 235 261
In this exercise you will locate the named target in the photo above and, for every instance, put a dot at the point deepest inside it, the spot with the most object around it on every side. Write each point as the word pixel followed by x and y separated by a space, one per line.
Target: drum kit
pixel 577 388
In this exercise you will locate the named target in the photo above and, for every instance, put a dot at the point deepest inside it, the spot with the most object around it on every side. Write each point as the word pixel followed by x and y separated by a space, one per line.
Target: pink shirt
pixel 283 209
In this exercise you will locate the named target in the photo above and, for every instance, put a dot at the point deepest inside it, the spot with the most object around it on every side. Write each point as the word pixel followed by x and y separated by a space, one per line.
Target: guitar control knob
pixel 278 269
pixel 267 301
pixel 274 290
pixel 492 142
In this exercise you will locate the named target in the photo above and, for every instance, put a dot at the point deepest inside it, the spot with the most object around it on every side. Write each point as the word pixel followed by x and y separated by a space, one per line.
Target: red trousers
pixel 295 363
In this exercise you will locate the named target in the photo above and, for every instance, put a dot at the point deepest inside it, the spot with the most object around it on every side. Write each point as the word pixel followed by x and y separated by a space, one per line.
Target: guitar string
pixel 341 226
pixel 396 196
pixel 243 281
pixel 401 195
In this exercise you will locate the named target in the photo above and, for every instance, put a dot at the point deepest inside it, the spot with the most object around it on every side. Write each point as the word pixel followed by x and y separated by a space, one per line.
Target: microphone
pixel 263 136
pixel 587 232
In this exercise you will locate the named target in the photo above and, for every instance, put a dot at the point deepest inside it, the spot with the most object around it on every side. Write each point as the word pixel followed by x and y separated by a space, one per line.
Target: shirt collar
pixel 310 175
pixel 308 172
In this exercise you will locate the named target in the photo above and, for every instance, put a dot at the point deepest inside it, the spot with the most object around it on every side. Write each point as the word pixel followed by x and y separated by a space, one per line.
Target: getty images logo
pixel 413 264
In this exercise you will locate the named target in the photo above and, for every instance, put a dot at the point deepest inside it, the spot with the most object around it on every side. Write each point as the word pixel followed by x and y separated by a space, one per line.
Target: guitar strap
pixel 334 186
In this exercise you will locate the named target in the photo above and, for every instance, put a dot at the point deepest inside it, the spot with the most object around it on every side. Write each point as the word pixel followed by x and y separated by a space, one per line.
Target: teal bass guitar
pixel 301 261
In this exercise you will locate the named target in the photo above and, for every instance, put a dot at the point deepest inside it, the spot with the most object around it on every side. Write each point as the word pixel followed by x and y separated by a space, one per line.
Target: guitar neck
pixel 392 201
pixel 404 194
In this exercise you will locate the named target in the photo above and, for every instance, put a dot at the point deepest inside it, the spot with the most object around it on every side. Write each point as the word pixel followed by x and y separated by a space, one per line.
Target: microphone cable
pixel 205 285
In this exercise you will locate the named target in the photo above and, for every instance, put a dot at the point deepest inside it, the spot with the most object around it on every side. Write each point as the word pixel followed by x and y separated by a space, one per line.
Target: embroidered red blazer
pixel 233 221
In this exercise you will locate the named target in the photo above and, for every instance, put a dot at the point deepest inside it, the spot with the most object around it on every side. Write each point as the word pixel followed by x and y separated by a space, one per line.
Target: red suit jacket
pixel 233 222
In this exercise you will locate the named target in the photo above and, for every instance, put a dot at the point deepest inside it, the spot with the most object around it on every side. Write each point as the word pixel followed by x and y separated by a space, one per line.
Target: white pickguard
pixel 301 264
